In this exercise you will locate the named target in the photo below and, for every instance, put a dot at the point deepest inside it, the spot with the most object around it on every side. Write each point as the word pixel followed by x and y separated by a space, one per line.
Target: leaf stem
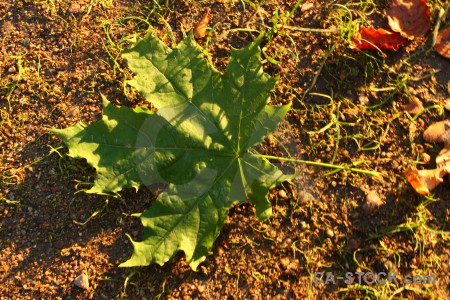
pixel 320 164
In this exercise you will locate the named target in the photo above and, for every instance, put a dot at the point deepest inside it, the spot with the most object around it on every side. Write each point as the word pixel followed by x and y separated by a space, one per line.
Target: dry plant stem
pixel 441 16
pixel 318 71
pixel 294 28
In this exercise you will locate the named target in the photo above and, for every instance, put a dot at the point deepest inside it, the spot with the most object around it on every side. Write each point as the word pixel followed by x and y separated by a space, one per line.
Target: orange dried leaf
pixel 442 45
pixel 202 26
pixel 411 18
pixel 443 159
pixel 424 181
pixel 370 38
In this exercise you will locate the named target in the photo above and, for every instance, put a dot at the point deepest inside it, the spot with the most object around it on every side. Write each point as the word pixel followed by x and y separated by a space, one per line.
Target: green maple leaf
pixel 198 142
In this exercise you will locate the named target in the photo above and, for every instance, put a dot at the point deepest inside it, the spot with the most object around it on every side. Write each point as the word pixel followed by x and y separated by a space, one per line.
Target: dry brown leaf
pixel 442 45
pixel 437 131
pixel 411 18
pixel 443 159
pixel 371 38
pixel 424 181
pixel 202 26
pixel 413 107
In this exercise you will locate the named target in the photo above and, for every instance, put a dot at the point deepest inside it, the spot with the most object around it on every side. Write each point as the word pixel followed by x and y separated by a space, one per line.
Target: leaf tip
pixel 135 260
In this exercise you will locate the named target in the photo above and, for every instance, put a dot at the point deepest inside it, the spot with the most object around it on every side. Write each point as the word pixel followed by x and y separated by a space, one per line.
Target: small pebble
pixel 373 202
pixel 285 261
pixel 304 197
pixel 353 244
pixel 74 8
pixel 304 225
pixel 58 245
pixel 12 69
pixel 413 263
pixel 447 104
pixel 307 6
pixel 329 233
pixel 426 158
pixel 282 194
pixel 82 282
pixel 413 107
pixel 363 100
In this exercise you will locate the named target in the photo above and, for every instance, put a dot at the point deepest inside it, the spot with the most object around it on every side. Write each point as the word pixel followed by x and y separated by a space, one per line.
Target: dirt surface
pixel 58 57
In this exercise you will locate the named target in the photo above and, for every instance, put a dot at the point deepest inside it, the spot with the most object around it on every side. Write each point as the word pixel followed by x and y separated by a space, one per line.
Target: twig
pixel 319 71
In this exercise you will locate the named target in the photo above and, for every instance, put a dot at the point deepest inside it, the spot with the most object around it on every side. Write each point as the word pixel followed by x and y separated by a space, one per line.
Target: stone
pixel 373 202
pixel 74 8
pixel 82 282
pixel 329 233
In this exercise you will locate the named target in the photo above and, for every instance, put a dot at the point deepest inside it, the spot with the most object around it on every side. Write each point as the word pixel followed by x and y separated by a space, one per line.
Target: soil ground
pixel 58 57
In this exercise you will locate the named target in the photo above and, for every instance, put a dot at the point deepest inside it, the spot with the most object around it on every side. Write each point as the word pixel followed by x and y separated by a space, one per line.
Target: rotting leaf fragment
pixel 442 45
pixel 202 26
pixel 410 18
